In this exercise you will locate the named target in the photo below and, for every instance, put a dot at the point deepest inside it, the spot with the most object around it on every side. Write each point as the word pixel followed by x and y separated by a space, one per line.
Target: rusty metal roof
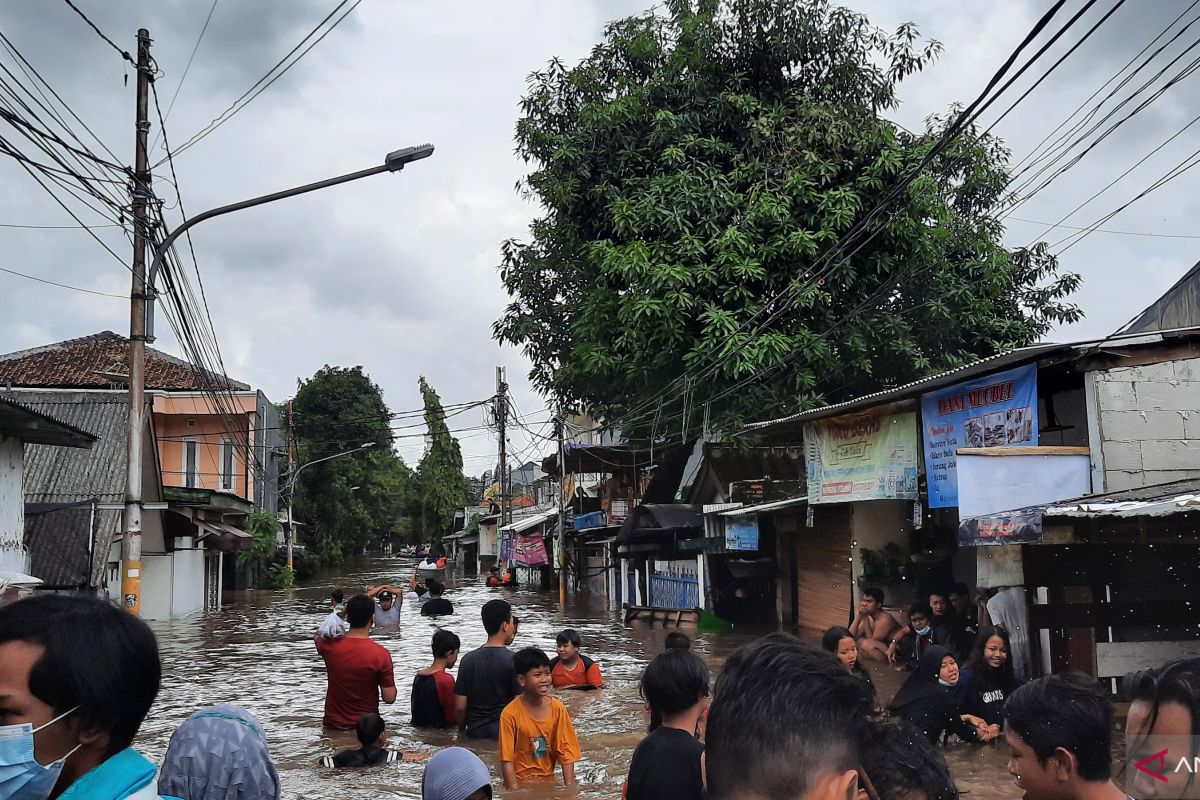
pixel 1177 497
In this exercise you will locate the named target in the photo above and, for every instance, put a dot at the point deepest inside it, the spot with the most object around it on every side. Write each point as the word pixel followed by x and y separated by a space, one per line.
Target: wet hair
pixel 495 613
pixel 674 681
pixel 833 637
pixel 569 636
pixel 336 595
pixel 95 656
pixel 921 608
pixel 529 658
pixel 436 589
pixel 874 593
pixel 1177 681
pixel 677 641
pixel 979 665
pixel 444 643
pixel 360 610
pixel 1068 710
pixel 368 729
pixel 961 589
pixel 938 591
pixel 386 597
pixel 783 714
pixel 902 764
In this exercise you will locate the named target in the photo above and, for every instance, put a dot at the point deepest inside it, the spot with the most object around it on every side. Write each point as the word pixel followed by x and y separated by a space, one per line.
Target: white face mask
pixel 21 776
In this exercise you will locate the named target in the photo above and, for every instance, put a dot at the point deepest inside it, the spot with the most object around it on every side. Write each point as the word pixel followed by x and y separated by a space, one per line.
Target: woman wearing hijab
pixel 456 774
pixel 927 700
pixel 985 685
pixel 219 753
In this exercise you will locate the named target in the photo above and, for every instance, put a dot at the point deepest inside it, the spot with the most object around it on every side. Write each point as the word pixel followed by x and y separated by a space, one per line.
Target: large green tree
pixel 694 174
pixel 441 485
pixel 356 499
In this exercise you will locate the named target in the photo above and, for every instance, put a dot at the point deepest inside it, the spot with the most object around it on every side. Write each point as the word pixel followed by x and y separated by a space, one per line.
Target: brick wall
pixel 1149 422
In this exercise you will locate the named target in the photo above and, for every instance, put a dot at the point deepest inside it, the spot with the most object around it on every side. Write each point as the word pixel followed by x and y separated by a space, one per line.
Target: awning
pixel 517 526
pixel 1177 497
pixel 466 540
pixel 220 536
pixel 764 507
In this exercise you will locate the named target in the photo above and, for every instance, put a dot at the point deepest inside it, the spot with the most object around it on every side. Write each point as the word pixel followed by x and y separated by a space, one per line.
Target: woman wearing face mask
pixel 926 700
pixel 77 677
pixel 985 685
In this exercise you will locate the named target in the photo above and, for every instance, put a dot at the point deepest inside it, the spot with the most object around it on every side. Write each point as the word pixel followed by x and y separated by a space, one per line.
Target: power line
pixel 186 69
pixel 60 227
pixel 124 53
pixel 61 285
pixel 263 83
pixel 1052 226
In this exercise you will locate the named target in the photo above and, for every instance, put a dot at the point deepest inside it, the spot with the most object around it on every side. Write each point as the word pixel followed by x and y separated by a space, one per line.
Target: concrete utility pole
pixel 291 525
pixel 131 541
pixel 501 421
pixel 562 511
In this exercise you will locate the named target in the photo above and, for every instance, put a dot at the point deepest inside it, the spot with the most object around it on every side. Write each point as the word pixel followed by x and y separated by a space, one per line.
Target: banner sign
pixel 530 550
pixel 1023 526
pixel 870 456
pixel 506 546
pixel 741 532
pixel 994 411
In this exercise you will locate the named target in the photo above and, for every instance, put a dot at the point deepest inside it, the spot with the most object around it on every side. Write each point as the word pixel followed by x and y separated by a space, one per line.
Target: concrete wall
pixel 1148 421
pixel 873 525
pixel 187 582
pixel 12 505
pixel 157 579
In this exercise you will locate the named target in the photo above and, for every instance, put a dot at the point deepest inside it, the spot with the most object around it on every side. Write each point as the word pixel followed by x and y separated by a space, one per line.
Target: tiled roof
pixel 100 361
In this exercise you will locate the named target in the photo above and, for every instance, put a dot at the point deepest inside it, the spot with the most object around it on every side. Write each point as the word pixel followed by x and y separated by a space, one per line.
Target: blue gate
pixel 673 591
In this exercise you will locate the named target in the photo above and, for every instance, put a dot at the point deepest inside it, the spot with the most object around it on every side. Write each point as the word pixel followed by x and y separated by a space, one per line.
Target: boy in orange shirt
pixel 536 732
pixel 571 669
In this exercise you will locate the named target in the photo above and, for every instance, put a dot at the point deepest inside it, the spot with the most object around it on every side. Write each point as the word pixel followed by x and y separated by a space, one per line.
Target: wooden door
pixel 823 581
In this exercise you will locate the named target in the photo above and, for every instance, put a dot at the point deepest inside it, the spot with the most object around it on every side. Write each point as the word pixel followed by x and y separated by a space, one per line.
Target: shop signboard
pixel 869 456
pixel 530 550
pixel 741 532
pixel 998 410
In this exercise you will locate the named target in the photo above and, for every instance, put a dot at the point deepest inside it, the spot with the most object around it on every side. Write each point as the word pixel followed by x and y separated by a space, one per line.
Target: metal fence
pixel 673 591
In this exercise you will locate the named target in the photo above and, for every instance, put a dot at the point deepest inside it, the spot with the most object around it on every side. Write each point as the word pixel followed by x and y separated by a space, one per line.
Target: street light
pixel 141 330
pixel 291 492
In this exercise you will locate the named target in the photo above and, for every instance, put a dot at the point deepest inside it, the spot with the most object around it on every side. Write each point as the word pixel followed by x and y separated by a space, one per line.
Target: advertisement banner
pixel 1023 526
pixel 530 550
pixel 741 532
pixel 870 456
pixel 994 411
pixel 506 545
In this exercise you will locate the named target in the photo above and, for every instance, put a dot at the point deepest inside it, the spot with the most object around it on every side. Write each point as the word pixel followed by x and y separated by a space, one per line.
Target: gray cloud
pixel 397 273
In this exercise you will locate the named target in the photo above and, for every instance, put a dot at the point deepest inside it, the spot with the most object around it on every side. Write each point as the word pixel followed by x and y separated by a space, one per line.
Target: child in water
pixel 372 737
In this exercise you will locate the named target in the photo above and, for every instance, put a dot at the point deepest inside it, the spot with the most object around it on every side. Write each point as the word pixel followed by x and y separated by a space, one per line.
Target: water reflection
pixel 258 652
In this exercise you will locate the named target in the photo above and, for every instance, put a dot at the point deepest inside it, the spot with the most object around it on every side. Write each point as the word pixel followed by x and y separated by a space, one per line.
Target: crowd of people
pixel 783 719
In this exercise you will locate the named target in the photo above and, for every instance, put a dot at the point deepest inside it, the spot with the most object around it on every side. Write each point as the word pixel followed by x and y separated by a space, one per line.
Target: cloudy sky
pixel 398 272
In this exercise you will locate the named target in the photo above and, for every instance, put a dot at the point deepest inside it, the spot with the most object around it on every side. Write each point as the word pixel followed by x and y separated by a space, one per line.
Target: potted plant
pixel 872 562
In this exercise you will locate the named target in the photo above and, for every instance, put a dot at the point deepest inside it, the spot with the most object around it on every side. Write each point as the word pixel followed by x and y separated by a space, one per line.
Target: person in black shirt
pixel 927 701
pixel 436 605
pixel 373 738
pixel 986 684
pixel 486 681
pixel 667 763
pixel 839 641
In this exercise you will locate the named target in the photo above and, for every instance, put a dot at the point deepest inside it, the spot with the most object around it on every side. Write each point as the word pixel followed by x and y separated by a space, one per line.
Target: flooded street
pixel 258 652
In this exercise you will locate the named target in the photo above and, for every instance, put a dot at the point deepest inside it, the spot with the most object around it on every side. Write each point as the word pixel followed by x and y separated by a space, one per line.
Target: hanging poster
pixel 995 411
pixel 506 545
pixel 870 456
pixel 530 550
pixel 741 532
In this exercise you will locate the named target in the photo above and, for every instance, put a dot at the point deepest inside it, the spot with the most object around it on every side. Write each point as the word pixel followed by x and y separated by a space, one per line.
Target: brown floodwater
pixel 258 652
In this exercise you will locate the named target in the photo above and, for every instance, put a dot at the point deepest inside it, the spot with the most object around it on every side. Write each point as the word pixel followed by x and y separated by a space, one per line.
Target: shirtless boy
pixel 873 627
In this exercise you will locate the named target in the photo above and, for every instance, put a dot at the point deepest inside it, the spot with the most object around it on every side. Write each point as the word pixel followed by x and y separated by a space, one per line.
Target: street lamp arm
pixel 291 484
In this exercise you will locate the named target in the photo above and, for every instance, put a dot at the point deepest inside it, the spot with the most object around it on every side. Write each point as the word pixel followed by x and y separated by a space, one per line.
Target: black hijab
pixel 922 688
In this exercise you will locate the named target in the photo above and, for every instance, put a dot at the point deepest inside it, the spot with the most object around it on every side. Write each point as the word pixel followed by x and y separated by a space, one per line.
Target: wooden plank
pixel 1101 615
pixel 1114 659
pixel 1022 450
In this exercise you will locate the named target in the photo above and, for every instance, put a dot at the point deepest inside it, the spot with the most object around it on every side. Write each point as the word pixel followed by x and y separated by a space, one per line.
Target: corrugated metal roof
pixel 67 475
pixel 764 507
pixel 1010 358
pixel 32 426
pixel 1177 497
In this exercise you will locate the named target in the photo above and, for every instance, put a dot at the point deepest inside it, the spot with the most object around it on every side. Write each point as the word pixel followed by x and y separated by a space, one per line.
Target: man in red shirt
pixel 360 671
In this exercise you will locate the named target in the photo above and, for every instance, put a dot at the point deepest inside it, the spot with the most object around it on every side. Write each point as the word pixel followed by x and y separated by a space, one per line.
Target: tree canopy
pixel 441 485
pixel 352 500
pixel 694 173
